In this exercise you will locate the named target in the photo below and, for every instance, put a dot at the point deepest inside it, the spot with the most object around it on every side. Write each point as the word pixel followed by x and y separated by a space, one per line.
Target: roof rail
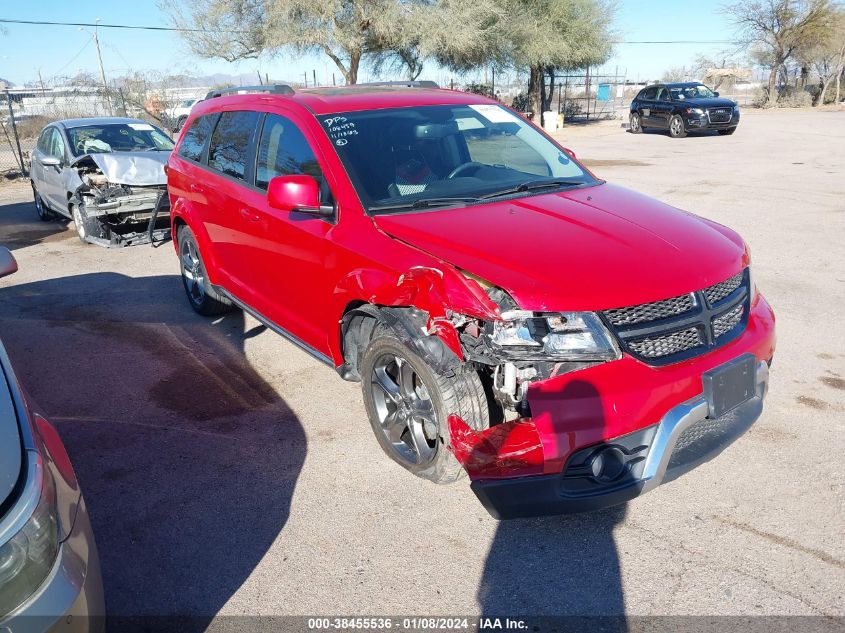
pixel 401 84
pixel 276 89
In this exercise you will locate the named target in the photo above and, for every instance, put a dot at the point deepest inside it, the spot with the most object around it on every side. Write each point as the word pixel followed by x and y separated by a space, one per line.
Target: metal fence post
pixel 15 132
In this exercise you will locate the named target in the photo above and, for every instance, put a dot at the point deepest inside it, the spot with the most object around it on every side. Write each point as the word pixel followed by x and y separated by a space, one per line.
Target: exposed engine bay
pixel 122 199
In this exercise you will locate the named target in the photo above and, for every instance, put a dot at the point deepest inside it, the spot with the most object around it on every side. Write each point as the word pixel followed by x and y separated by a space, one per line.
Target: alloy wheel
pixel 677 126
pixel 635 123
pixel 79 222
pixel 192 271
pixel 404 408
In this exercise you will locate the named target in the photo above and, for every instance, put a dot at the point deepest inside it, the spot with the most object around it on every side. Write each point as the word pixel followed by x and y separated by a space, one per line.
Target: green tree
pixel 777 29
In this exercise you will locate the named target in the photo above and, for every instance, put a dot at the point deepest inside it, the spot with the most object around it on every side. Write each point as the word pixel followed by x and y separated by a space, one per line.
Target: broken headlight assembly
pixel 554 336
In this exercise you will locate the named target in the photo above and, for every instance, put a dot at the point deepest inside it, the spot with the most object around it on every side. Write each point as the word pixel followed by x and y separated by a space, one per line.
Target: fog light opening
pixel 607 464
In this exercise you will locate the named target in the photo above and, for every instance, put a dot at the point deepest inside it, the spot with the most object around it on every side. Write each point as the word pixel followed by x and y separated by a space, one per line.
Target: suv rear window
pixel 230 143
pixel 194 140
pixel 283 151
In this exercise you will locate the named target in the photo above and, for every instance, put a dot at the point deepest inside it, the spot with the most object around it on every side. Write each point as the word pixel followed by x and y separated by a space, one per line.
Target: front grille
pixel 721 290
pixel 667 344
pixel 728 321
pixel 650 311
pixel 720 115
pixel 671 330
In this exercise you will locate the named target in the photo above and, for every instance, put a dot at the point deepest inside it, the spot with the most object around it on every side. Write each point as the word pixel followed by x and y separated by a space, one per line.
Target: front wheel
pixel 677 129
pixel 408 404
pixel 80 221
pixel 635 124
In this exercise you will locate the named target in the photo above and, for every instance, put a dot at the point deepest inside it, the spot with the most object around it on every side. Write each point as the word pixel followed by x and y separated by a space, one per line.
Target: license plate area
pixel 729 385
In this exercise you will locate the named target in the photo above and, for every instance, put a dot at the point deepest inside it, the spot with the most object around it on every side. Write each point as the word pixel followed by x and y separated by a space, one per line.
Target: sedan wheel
pixel 44 214
pixel 79 221
pixel 676 127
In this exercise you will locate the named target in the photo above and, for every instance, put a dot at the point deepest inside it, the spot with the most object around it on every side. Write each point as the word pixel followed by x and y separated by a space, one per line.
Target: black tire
pixel 461 394
pixel 202 296
pixel 727 132
pixel 677 127
pixel 80 221
pixel 44 213
pixel 635 123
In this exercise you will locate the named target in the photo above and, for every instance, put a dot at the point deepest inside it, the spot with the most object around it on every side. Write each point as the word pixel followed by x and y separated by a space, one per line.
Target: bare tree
pixel 825 56
pixel 676 73
pixel 777 29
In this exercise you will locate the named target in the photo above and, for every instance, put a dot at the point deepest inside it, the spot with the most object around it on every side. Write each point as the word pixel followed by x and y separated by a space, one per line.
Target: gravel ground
pixel 228 472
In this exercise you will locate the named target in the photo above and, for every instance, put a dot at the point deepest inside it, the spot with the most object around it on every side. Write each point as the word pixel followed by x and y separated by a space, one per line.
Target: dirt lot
pixel 226 471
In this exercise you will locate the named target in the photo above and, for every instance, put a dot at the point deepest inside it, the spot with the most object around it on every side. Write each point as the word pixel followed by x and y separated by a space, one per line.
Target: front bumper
pixel 683 439
pixel 702 122
pixel 71 598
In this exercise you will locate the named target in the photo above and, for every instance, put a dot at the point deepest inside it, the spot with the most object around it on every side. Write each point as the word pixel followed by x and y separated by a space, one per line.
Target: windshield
pixel 691 92
pixel 117 137
pixel 440 155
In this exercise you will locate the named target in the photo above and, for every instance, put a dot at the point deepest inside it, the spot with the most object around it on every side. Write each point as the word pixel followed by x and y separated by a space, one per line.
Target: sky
pixel 26 50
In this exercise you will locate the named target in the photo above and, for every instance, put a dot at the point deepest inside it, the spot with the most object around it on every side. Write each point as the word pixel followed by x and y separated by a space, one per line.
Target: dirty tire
pixel 44 213
pixel 458 393
pixel 201 295
pixel 677 128
pixel 635 124
pixel 727 132
pixel 80 221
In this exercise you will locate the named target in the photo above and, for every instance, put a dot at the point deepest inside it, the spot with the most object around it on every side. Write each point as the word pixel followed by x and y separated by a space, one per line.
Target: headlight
pixel 697 111
pixel 562 336
pixel 27 558
pixel 736 108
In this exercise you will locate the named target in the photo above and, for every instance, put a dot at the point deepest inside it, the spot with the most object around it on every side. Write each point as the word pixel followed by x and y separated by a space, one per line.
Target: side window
pixel 649 94
pixel 57 145
pixel 230 143
pixel 282 151
pixel 663 94
pixel 194 140
pixel 44 140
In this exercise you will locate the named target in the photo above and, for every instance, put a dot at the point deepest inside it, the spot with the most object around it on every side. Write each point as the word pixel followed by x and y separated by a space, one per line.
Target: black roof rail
pixel 401 84
pixel 276 89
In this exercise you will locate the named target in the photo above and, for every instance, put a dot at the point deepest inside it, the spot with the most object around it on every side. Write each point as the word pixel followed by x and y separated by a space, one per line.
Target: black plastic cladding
pixel 700 317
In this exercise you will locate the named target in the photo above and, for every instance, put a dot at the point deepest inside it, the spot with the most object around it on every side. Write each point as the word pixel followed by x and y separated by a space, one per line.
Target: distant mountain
pixel 5 83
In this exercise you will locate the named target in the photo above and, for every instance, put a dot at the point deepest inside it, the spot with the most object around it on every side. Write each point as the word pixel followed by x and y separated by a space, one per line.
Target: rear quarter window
pixel 195 137
pixel 229 146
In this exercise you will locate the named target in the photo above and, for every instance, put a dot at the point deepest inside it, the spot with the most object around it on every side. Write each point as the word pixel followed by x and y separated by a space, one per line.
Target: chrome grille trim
pixel 671 330
pixel 719 115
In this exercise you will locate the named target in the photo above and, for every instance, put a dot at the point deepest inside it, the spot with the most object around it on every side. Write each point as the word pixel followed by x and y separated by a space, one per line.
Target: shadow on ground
pixel 559 566
pixel 187 458
pixel 20 226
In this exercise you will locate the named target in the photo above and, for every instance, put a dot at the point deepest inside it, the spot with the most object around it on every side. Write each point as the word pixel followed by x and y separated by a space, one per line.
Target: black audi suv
pixel 682 108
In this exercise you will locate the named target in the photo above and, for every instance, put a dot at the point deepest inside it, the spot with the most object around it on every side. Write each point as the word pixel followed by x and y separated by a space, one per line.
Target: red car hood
pixel 586 249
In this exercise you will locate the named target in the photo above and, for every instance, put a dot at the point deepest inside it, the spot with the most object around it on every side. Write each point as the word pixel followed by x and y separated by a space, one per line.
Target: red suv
pixel 568 343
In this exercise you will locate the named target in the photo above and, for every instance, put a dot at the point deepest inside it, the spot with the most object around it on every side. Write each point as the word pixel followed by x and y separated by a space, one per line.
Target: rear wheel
pixel 677 129
pixel 635 126
pixel 408 404
pixel 201 295
pixel 727 132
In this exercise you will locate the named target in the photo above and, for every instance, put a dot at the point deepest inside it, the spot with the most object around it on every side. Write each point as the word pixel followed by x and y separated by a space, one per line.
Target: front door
pixel 662 108
pixel 289 251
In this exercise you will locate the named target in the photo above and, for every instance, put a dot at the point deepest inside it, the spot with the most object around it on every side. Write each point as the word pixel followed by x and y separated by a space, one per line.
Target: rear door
pixel 662 108
pixel 228 220
pixel 647 106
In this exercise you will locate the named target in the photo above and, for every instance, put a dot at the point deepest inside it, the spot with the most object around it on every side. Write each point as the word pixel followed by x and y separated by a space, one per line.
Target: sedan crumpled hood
pixel 10 442
pixel 131 168
pixel 585 249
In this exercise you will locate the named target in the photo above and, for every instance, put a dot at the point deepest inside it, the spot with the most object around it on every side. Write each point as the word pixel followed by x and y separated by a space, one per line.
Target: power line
pixel 186 30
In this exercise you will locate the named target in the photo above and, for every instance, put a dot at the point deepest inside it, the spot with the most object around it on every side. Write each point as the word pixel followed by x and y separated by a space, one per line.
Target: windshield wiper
pixel 534 185
pixel 423 203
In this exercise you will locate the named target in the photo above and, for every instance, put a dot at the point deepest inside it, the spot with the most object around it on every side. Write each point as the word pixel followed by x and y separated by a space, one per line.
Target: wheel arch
pixel 181 215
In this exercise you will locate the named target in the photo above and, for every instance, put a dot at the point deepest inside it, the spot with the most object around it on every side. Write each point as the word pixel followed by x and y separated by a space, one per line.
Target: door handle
pixel 250 215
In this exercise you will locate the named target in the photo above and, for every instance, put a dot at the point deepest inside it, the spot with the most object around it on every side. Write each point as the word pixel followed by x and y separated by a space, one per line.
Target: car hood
pixel 585 249
pixel 711 102
pixel 129 168
pixel 11 450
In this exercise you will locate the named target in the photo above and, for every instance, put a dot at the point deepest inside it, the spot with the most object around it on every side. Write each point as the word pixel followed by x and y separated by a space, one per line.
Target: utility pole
pixel 100 60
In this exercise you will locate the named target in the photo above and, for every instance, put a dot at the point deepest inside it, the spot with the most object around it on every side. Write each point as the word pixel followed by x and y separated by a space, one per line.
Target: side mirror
pixel 297 193
pixel 715 94
pixel 8 265
pixel 570 153
pixel 51 161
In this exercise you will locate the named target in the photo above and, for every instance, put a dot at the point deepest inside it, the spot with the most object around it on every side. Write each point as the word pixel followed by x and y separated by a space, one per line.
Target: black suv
pixel 682 108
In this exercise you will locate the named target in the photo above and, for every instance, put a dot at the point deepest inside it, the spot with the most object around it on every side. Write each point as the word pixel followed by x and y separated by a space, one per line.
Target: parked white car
pixel 177 115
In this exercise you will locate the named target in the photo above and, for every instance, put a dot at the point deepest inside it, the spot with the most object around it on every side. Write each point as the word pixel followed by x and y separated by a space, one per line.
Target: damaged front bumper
pixel 604 435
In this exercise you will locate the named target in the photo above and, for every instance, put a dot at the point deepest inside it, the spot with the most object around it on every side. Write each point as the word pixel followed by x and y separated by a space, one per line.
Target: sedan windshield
pixel 404 159
pixel 691 92
pixel 118 137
